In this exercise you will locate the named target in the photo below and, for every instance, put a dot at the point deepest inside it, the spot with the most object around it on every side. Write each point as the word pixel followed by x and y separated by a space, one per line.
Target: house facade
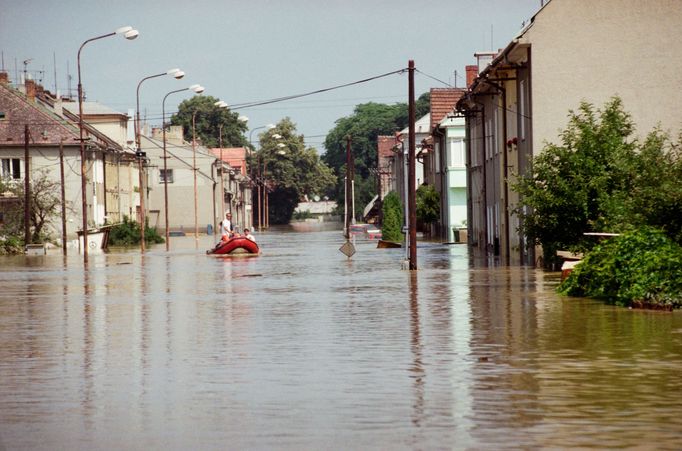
pixel 54 143
pixel 570 51
pixel 444 162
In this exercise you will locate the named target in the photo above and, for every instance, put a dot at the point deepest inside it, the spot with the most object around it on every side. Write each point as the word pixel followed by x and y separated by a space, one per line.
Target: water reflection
pixel 304 348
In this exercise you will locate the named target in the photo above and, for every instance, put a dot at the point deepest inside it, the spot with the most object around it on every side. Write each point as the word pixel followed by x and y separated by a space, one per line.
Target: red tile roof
pixel 443 101
pixel 385 145
pixel 45 127
pixel 234 156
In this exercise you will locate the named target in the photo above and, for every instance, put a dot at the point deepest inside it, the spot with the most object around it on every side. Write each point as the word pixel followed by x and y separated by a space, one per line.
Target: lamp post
pixel 130 34
pixel 177 74
pixel 269 127
pixel 197 89
pixel 266 197
pixel 221 104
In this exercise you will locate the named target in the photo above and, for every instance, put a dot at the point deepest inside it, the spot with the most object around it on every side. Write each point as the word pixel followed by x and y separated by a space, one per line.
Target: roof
pixel 422 125
pixel 443 101
pixel 234 156
pixel 92 108
pixel 45 126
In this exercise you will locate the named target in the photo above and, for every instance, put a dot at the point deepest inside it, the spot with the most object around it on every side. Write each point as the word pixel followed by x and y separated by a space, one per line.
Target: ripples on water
pixel 301 348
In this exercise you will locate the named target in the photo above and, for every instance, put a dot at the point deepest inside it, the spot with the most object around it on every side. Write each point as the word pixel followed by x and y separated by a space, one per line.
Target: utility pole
pixel 411 195
pixel 61 177
pixel 349 213
pixel 194 170
pixel 27 189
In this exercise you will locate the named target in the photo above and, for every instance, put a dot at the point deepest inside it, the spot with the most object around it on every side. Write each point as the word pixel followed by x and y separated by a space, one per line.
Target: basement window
pixel 3 116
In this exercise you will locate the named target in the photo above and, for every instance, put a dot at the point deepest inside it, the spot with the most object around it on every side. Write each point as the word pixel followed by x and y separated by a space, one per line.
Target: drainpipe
pixel 444 186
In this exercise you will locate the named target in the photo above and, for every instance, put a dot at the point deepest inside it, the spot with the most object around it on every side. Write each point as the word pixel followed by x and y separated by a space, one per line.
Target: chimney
pixel 472 73
pixel 4 78
pixel 30 90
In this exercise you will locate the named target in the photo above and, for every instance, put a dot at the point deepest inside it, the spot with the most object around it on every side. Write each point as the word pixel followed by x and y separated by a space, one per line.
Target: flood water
pixel 302 348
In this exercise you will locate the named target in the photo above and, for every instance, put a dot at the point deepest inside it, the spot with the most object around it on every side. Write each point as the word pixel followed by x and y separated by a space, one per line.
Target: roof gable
pixel 443 101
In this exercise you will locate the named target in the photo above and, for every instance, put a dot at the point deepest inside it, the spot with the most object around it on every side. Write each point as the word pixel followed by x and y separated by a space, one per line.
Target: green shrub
pixel 391 229
pixel 11 245
pixel 639 267
pixel 128 234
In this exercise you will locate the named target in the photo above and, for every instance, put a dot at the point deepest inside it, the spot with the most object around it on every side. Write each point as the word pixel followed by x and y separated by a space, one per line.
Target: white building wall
pixel 593 50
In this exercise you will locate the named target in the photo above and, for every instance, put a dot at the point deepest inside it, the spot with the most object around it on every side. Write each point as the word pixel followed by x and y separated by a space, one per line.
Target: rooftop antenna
pixel 68 79
pixel 26 68
pixel 54 67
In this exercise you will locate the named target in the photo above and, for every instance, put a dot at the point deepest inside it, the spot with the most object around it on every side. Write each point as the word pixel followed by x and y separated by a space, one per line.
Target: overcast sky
pixel 250 50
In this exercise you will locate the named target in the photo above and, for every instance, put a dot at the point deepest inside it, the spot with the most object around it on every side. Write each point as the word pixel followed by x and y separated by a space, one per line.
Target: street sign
pixel 347 249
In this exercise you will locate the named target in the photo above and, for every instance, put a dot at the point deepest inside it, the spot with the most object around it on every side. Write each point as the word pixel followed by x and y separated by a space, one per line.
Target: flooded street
pixel 301 348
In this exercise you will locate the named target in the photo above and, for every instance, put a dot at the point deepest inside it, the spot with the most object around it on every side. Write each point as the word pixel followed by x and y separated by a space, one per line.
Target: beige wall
pixel 592 50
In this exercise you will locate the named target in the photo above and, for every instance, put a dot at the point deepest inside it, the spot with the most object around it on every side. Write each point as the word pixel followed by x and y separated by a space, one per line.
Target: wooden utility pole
pixel 411 195
pixel 27 190
pixel 61 177
pixel 194 170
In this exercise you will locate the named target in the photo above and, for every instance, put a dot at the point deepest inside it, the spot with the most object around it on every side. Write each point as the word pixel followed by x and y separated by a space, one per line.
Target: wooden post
pixel 61 177
pixel 411 195
pixel 349 213
pixel 27 190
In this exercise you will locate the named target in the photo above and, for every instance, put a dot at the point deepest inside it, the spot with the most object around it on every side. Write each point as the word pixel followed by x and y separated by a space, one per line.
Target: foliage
pixel 368 121
pixel 208 121
pixel 428 204
pixel 128 234
pixel 639 266
pixel 290 170
pixel 391 229
pixel 11 245
pixel 45 207
pixel 301 215
pixel 599 179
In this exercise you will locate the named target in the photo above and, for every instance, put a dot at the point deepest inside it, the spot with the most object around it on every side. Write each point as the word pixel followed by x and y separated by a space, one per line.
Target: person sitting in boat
pixel 226 228
pixel 249 236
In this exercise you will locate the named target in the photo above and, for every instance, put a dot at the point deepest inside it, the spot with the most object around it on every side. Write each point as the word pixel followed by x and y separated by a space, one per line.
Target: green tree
pixel 600 179
pixel 368 121
pixel 45 207
pixel 428 204
pixel 291 170
pixel 568 189
pixel 208 121
pixel 391 229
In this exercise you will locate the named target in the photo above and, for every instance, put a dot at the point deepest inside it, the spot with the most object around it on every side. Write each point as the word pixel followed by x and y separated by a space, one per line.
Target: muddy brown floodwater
pixel 301 348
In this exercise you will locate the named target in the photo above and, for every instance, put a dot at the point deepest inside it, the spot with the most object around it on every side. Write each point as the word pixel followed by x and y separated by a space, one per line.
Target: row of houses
pixel 112 168
pixel 518 99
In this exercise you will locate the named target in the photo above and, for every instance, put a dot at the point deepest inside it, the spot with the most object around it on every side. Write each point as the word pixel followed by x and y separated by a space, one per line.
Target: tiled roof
pixel 45 127
pixel 234 156
pixel 443 101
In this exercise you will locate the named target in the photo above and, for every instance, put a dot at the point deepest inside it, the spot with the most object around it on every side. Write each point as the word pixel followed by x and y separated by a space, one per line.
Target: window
pixel 165 176
pixel 11 168
pixel 3 115
pixel 457 157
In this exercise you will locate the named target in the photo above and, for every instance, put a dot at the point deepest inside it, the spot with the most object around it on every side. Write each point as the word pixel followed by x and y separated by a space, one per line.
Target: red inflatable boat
pixel 234 246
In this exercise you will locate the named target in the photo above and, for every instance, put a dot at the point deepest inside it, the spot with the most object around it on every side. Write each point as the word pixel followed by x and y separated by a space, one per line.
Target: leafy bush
pixel 301 215
pixel 391 229
pixel 639 267
pixel 11 245
pixel 128 234
pixel 428 204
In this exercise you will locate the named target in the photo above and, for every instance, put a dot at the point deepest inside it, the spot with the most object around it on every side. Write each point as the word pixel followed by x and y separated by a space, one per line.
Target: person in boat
pixel 249 236
pixel 226 227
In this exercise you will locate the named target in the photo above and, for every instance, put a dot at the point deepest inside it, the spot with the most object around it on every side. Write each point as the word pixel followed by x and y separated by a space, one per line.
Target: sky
pixel 251 50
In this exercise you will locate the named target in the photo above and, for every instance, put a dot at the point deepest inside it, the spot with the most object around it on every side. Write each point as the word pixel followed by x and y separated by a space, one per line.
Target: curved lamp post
pixel 130 34
pixel 177 74
pixel 197 89
pixel 221 104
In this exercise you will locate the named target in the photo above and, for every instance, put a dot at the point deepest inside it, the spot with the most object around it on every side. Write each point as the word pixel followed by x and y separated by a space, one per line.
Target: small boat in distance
pixel 238 246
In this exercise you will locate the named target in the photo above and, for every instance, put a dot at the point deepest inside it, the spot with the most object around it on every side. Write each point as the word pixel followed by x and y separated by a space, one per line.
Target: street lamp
pixel 130 34
pixel 269 127
pixel 221 104
pixel 177 74
pixel 197 89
